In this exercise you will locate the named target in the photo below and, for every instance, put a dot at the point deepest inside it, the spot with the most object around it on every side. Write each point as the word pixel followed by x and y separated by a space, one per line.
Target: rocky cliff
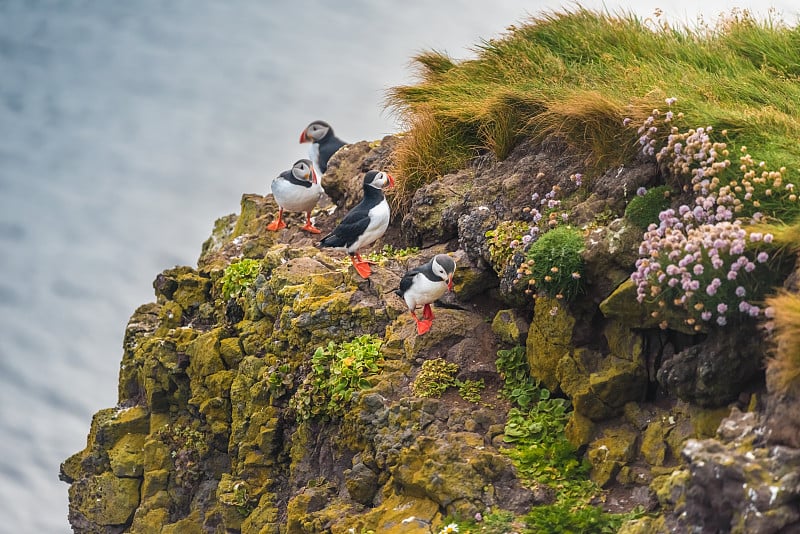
pixel 270 389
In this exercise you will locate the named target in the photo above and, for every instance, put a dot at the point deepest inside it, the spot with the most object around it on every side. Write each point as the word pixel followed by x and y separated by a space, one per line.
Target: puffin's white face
pixel 444 267
pixel 381 180
pixel 304 170
pixel 317 131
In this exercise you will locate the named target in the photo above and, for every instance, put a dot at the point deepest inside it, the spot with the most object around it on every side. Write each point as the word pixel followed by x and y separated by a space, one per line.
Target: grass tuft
pixel 784 365
pixel 578 74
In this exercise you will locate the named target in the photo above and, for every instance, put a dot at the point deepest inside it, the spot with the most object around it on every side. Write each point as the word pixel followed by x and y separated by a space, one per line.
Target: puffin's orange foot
pixel 362 268
pixel 311 228
pixel 427 312
pixel 276 225
pixel 423 326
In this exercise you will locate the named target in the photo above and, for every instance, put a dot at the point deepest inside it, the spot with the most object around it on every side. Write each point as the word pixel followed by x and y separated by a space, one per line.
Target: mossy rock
pixel 549 340
pixel 579 429
pixel 105 499
pixel 126 456
pixel 510 327
pixel 402 514
pixel 613 449
pixel 623 306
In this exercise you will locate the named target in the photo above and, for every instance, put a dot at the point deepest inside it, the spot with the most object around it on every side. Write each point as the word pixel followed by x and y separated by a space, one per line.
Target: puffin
pixel 365 223
pixel 296 190
pixel 423 285
pixel 323 143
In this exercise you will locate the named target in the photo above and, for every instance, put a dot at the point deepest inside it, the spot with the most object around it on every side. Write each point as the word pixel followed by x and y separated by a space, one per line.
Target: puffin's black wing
pixel 327 148
pixel 347 232
pixel 407 280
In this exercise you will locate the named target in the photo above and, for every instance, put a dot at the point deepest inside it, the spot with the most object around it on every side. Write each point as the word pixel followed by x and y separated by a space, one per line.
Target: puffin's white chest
pixel 313 155
pixel 423 291
pixel 378 223
pixel 293 197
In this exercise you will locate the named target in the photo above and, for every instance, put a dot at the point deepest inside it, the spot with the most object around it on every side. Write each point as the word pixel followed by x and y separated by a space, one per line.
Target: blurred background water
pixel 127 128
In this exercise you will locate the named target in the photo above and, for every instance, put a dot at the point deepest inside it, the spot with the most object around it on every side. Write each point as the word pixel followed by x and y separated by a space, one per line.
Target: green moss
pixel 643 210
pixel 549 340
pixel 554 265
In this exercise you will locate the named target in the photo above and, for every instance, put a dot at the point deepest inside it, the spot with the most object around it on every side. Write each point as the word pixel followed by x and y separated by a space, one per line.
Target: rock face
pixel 256 410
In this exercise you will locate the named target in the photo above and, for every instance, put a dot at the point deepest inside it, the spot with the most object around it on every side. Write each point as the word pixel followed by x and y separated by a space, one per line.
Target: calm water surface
pixel 126 129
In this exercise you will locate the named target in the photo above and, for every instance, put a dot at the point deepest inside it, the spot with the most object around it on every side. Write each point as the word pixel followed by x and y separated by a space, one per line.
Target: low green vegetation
pixel 437 376
pixel 388 252
pixel 644 208
pixel 543 455
pixel 238 277
pixel 337 372
pixel 554 265
pixel 434 377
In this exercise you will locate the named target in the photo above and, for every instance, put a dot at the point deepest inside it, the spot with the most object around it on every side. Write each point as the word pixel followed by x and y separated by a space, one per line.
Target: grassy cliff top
pixel 581 74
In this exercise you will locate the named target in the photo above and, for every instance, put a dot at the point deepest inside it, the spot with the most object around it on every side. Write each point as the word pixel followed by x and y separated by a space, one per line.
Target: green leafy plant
pixel 337 372
pixel 434 378
pixel 389 252
pixel 238 277
pixel 470 390
pixel 504 240
pixel 571 517
pixel 643 209
pixel 554 265
pixel 280 380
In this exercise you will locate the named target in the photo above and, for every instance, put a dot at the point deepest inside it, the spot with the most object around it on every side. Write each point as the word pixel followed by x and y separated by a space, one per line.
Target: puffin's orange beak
pixel 391 180
pixel 304 138
pixel 313 175
pixel 450 283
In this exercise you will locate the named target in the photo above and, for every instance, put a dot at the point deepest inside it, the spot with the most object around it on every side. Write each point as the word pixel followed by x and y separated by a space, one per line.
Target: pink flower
pixel 740 291
pixel 762 257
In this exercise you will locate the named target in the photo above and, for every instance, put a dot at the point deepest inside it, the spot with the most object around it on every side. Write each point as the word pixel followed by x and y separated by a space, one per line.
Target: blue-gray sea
pixel 126 128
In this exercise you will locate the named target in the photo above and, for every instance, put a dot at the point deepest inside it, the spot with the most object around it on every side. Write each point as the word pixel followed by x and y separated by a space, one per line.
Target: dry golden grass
pixel 784 365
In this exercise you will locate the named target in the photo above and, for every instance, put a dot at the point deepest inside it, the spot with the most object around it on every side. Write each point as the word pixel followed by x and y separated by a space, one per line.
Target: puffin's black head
pixel 378 179
pixel 303 169
pixel 316 132
pixel 444 267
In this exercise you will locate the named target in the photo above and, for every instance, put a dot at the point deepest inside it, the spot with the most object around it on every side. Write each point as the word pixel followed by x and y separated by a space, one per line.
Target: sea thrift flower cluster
pixel 703 270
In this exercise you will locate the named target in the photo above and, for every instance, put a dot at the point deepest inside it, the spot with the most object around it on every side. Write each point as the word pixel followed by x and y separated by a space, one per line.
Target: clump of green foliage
pixel 542 453
pixel 238 277
pixel 434 378
pixel 337 372
pixel 280 380
pixel 643 209
pixel 470 390
pixel 504 240
pixel 538 80
pixel 554 265
pixel 389 252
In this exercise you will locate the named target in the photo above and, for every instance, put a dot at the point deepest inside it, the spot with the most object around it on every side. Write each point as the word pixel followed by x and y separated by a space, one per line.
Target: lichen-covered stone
pixel 510 327
pixel 549 340
pixel 611 450
pixel 579 429
pixel 126 456
pixel 105 499
pixel 622 305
